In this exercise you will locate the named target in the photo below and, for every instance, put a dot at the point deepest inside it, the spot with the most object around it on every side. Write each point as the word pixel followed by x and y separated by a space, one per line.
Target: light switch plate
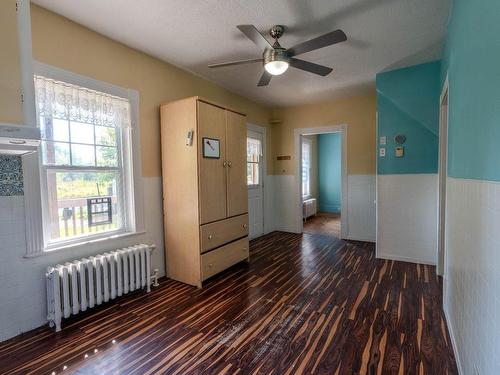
pixel 382 152
pixel 383 140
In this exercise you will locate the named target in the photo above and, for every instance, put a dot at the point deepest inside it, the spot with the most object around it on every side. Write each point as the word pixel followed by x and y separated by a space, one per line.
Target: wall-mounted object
pixel 211 148
pixel 382 152
pixel 189 138
pixel 399 151
pixel 383 140
pixel 400 139
pixel 18 139
pixel 285 157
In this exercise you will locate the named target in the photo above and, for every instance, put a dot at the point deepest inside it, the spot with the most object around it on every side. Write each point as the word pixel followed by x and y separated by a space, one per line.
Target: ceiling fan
pixel 277 59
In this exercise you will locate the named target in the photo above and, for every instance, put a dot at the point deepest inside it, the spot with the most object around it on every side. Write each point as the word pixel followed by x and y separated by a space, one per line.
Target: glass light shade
pixel 276 67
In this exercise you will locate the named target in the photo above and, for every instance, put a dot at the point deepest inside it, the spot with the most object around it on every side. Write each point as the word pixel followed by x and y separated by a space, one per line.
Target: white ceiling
pixel 382 34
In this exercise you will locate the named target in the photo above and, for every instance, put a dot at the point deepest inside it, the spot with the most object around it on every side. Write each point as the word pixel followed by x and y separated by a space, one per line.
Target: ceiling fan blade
pixel 238 62
pixel 325 40
pixel 310 67
pixel 265 78
pixel 255 36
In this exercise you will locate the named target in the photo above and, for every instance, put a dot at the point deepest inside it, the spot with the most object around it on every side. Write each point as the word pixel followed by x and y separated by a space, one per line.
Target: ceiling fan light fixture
pixel 276 67
pixel 276 60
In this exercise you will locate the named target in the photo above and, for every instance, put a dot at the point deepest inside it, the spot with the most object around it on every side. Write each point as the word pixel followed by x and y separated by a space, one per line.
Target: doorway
pixel 443 164
pixel 255 179
pixel 322 207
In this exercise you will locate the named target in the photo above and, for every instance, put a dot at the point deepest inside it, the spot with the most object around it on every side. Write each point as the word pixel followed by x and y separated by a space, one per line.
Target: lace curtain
pixel 70 102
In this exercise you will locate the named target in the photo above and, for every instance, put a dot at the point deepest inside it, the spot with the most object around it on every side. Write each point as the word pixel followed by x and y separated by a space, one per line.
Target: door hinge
pixel 22 98
pixel 17 7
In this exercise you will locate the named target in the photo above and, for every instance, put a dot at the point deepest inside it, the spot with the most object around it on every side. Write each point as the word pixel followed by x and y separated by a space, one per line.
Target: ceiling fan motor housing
pixel 275 54
pixel 277 31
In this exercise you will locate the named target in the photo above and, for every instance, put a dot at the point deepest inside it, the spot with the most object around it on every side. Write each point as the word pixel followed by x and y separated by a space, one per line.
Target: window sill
pixel 55 249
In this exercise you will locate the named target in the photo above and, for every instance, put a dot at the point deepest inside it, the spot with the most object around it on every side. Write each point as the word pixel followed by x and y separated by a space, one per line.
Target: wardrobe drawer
pixel 224 257
pixel 216 234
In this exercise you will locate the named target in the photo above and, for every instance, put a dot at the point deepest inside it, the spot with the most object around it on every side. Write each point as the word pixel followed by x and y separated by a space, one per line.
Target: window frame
pixel 258 163
pixel 132 185
pixel 309 143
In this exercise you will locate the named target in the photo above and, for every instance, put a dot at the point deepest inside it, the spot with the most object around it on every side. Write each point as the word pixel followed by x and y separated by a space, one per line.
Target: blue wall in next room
pixel 472 61
pixel 408 104
pixel 329 172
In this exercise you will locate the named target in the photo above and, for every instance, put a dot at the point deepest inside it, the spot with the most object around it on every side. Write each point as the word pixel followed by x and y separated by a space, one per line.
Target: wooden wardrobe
pixel 205 199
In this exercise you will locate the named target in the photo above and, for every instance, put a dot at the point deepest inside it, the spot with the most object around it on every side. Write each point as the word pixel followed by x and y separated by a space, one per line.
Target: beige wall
pixel 358 113
pixel 314 165
pixel 62 43
pixel 11 110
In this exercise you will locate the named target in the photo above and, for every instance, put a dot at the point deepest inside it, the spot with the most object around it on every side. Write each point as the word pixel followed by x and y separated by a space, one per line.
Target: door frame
pixel 444 113
pixel 262 130
pixel 298 133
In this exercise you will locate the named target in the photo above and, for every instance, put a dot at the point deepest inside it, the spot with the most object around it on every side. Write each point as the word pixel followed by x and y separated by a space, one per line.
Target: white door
pixel 255 185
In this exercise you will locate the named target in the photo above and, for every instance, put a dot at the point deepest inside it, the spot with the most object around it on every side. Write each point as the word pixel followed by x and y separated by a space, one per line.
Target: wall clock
pixel 211 148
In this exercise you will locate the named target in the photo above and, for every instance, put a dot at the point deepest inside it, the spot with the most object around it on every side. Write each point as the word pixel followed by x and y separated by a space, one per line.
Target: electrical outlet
pixel 383 140
pixel 382 152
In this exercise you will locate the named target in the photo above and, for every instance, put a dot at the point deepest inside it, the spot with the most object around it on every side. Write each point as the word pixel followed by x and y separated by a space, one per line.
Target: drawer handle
pixel 244 249
pixel 245 226
pixel 229 163
pixel 210 265
pixel 209 236
pixel 224 164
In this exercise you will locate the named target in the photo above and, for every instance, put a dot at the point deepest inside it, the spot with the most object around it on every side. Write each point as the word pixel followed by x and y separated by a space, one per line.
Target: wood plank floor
pixel 306 304
pixel 323 223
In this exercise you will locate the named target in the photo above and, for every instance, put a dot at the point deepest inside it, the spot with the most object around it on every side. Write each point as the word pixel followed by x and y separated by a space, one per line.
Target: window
pixel 85 162
pixel 254 147
pixel 306 167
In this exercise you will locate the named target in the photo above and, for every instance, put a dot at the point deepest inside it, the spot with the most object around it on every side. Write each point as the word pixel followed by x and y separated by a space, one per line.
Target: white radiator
pixel 309 207
pixel 82 284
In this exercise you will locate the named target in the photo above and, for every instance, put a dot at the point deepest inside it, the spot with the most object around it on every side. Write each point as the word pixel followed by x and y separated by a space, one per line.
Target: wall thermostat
pixel 399 151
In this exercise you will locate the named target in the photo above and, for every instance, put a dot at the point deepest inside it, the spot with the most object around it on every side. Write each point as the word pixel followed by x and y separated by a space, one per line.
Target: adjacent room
pixel 321 166
pixel 250 187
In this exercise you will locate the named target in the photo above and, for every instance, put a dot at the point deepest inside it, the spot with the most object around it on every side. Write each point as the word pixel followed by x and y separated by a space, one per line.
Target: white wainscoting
pixel 472 273
pixel 361 195
pixel 285 208
pixel 407 217
pixel 269 206
pixel 360 198
pixel 23 293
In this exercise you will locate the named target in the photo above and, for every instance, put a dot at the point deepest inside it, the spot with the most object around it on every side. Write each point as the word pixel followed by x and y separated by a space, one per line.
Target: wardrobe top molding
pixel 205 100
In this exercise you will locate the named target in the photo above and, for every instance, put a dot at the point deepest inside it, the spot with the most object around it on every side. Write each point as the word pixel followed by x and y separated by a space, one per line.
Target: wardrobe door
pixel 212 169
pixel 236 151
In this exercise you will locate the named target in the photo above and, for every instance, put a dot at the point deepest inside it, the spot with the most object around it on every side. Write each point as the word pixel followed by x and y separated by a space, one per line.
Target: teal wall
pixel 329 172
pixel 472 60
pixel 408 103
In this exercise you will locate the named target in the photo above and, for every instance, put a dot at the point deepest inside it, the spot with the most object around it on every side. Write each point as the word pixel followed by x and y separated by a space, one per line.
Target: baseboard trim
pixel 361 239
pixel 405 259
pixel 451 330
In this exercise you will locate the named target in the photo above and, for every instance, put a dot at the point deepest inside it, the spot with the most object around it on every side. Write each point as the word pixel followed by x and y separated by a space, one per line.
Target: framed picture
pixel 211 148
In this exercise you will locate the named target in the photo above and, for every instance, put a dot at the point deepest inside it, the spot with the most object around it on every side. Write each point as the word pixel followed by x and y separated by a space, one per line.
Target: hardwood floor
pixel 306 304
pixel 323 223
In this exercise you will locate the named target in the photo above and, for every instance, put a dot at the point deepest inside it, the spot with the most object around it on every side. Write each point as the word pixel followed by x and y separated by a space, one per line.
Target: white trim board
pixel 444 115
pixel 26 61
